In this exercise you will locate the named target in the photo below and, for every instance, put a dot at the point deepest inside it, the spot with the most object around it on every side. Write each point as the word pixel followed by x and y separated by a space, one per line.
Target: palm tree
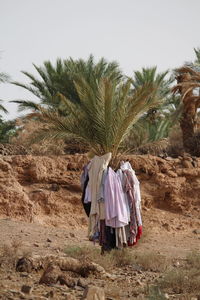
pixel 104 114
pixel 92 102
pixel 60 79
pixel 188 79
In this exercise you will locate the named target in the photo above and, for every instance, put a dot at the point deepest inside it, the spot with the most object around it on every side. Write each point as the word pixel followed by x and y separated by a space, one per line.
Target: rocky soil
pixel 41 214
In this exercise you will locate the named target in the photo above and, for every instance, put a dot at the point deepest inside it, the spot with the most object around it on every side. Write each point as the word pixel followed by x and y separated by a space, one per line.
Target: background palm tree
pixel 188 80
pixel 3 78
pixel 157 122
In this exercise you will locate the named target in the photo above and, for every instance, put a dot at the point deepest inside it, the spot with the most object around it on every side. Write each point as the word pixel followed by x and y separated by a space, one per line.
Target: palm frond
pixel 25 105
pixel 2 108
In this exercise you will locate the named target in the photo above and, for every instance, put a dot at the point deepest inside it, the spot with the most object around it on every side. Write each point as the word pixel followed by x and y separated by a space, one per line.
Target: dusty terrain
pixel 41 214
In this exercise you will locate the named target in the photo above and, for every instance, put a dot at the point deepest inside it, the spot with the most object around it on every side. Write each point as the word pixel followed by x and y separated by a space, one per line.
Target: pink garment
pixel 136 187
pixel 116 214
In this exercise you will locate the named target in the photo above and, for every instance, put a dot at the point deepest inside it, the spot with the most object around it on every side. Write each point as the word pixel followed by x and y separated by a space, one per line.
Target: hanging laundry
pixel 112 201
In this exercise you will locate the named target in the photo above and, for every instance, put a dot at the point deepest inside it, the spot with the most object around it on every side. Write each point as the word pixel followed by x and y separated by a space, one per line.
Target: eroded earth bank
pixel 42 220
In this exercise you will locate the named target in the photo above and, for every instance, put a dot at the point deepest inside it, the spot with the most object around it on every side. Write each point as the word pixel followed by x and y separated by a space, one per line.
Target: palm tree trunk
pixel 188 124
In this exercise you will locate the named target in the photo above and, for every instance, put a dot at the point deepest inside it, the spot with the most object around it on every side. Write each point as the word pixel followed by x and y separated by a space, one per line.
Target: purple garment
pixel 115 206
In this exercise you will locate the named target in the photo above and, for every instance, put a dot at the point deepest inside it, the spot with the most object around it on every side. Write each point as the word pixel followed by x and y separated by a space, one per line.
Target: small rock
pixel 26 289
pixel 166 226
pixel 24 265
pixel 138 282
pixel 36 245
pixel 177 264
pixel 72 235
pixel 78 288
pixel 166 296
pixel 65 280
pixel 82 283
pixel 49 241
pixel 24 275
pixel 50 294
pixel 50 275
pixel 196 231
pixel 55 187
pixel 168 158
pixel 37 191
pixel 188 215
pixel 15 292
pixel 146 208
pixel 94 292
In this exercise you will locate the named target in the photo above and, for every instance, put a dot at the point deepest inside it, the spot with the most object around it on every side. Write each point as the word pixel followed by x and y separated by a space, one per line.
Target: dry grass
pixel 147 261
pixel 155 293
pixel 193 260
pixel 151 261
pixel 114 258
pixel 185 279
pixel 10 253
pixel 27 133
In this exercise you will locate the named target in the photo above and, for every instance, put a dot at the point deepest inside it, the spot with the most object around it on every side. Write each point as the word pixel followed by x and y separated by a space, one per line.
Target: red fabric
pixel 139 234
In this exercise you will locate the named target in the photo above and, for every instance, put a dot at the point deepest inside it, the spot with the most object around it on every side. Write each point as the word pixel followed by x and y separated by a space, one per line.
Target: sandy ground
pixel 165 233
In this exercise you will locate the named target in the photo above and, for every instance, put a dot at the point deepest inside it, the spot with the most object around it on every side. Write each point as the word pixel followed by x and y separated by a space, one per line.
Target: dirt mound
pixel 42 189
pixel 46 189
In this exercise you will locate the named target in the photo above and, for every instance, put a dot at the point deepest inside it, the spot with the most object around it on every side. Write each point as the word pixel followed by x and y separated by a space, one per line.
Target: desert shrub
pixel 87 253
pixel 151 261
pixel 193 260
pixel 122 257
pixel 185 279
pixel 181 281
pixel 9 253
pixel 25 136
pixel 153 148
pixel 154 293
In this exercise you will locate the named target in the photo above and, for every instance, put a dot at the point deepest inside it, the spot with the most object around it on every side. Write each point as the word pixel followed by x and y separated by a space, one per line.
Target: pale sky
pixel 136 33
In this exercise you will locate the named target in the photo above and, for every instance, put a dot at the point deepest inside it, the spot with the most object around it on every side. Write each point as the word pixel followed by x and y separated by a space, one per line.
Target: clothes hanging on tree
pixel 112 201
